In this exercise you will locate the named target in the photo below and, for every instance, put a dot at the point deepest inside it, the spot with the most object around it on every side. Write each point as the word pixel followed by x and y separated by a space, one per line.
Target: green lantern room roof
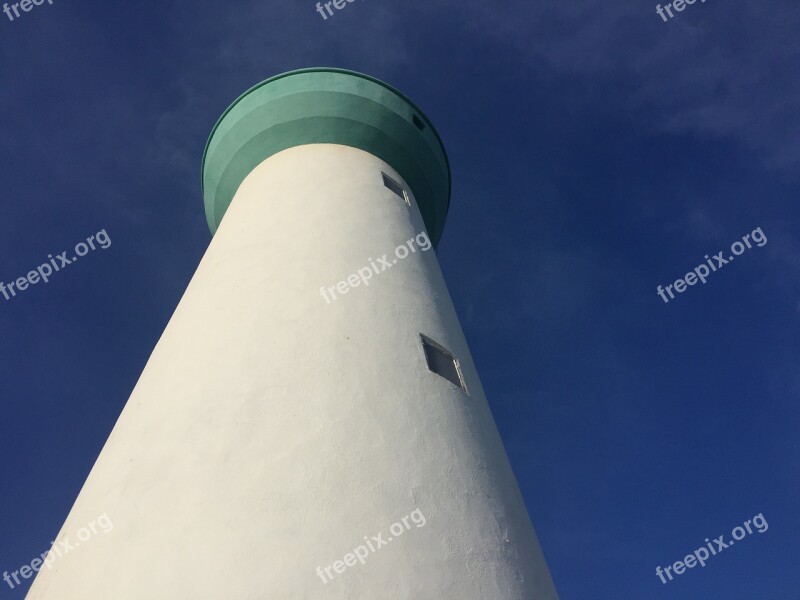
pixel 334 106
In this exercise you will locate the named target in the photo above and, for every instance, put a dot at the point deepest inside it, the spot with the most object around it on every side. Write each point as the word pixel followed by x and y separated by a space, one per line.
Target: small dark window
pixel 395 187
pixel 418 122
pixel 441 362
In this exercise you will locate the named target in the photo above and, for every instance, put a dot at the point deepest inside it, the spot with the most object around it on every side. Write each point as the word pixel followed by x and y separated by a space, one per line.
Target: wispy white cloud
pixel 716 70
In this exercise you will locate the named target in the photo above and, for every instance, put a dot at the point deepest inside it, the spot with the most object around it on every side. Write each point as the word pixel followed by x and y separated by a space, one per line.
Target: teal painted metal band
pixel 324 105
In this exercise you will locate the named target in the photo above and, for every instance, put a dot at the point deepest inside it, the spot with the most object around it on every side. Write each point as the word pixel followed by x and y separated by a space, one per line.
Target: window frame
pixel 386 177
pixel 456 362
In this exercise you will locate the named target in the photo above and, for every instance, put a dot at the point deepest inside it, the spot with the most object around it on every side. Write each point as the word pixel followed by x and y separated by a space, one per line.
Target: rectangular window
pixel 441 362
pixel 418 122
pixel 395 187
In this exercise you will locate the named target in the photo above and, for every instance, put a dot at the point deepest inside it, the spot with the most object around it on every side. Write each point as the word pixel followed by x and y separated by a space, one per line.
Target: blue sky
pixel 597 152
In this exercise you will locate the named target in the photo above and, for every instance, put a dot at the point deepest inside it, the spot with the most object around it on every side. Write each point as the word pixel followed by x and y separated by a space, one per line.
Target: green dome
pixel 334 106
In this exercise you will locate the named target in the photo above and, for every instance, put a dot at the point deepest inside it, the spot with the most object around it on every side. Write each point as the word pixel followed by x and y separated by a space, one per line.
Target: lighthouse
pixel 311 423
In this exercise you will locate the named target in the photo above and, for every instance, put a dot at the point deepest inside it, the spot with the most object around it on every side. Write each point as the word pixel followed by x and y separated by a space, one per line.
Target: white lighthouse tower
pixel 303 430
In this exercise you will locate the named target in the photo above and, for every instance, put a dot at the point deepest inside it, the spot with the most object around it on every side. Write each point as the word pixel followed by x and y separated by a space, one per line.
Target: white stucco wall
pixel 270 431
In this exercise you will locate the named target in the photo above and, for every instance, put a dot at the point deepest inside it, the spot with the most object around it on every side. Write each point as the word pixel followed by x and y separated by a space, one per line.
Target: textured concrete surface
pixel 270 431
